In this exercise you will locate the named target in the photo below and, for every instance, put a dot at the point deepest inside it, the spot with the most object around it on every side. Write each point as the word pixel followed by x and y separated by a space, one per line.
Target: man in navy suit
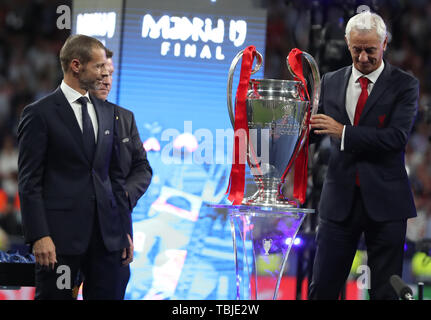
pixel 69 212
pixel 368 110
pixel 135 173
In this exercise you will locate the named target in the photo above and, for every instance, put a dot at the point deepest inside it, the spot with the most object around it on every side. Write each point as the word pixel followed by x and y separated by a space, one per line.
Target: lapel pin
pixel 107 132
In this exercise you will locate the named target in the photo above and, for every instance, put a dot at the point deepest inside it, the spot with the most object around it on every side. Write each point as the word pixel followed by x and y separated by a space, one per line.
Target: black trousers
pixel 102 270
pixel 336 247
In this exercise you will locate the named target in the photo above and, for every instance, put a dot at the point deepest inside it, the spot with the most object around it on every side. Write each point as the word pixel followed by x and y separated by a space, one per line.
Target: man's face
pixel 90 75
pixel 366 50
pixel 105 87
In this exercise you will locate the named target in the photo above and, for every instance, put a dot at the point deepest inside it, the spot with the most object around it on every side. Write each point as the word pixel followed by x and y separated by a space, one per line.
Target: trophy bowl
pixel 277 113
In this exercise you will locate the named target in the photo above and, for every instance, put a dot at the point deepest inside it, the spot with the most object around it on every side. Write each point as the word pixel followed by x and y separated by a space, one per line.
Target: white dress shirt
pixel 72 96
pixel 354 91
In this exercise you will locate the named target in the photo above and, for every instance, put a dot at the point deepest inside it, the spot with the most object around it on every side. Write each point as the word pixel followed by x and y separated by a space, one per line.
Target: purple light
pixel 296 242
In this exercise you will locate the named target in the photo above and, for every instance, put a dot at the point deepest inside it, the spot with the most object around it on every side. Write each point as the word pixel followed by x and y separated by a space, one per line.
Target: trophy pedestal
pixel 262 239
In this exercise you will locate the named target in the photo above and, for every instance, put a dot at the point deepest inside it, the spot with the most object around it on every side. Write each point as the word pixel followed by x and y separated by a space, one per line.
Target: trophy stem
pixel 269 194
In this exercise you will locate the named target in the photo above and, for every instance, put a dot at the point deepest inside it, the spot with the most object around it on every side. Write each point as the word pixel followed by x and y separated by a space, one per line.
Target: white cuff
pixel 342 139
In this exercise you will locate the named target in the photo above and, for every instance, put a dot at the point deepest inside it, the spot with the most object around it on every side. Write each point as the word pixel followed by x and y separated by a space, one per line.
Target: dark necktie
pixel 87 130
pixel 360 107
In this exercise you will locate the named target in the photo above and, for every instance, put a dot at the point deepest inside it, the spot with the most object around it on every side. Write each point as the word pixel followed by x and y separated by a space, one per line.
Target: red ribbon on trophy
pixel 301 161
pixel 241 133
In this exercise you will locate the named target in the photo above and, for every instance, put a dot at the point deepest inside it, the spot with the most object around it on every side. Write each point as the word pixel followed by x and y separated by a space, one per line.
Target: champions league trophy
pixel 275 116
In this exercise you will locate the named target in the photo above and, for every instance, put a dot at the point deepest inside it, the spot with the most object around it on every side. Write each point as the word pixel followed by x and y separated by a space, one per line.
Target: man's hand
pixel 327 125
pixel 127 254
pixel 44 252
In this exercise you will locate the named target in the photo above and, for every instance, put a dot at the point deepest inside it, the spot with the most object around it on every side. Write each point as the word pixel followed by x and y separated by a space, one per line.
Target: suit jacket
pixel 135 173
pixel 374 149
pixel 59 187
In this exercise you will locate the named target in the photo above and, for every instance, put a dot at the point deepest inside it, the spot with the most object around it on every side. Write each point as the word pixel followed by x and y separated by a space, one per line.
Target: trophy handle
pixel 230 80
pixel 314 105
pixel 316 82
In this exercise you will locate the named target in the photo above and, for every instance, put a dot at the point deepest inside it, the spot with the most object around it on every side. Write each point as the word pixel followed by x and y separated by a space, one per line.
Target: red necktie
pixel 360 107
pixel 362 99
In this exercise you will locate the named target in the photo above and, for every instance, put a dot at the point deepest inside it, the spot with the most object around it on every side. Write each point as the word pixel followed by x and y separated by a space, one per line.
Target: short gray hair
pixel 365 22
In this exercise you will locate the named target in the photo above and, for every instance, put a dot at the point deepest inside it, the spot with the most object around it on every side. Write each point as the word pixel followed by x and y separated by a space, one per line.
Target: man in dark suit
pixel 134 177
pixel 69 212
pixel 368 110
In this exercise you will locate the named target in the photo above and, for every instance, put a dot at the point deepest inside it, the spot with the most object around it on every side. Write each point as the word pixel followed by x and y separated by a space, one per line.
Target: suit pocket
pixel 122 200
pixel 113 203
pixel 125 144
pixel 59 203
pixel 394 175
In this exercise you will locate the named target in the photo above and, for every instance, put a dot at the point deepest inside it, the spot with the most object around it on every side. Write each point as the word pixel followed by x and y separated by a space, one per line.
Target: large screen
pixel 172 60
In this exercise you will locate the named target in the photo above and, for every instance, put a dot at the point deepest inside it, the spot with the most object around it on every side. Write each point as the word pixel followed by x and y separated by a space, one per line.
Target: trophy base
pixel 266 199
pixel 262 210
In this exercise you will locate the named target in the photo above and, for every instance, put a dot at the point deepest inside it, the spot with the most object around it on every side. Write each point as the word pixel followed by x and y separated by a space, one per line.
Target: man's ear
pixel 385 43
pixel 75 65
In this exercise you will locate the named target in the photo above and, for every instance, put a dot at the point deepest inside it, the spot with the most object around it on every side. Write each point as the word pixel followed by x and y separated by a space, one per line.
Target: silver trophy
pixel 276 117
pixel 265 225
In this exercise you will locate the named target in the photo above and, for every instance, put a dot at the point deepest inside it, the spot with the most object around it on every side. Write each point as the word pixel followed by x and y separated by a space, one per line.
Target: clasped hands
pixel 323 124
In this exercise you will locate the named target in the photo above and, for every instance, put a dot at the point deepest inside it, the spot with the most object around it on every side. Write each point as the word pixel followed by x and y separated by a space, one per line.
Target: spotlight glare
pixel 288 241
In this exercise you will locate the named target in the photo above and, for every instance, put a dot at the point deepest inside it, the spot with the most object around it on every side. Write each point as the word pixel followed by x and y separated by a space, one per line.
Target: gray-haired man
pixel 368 110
